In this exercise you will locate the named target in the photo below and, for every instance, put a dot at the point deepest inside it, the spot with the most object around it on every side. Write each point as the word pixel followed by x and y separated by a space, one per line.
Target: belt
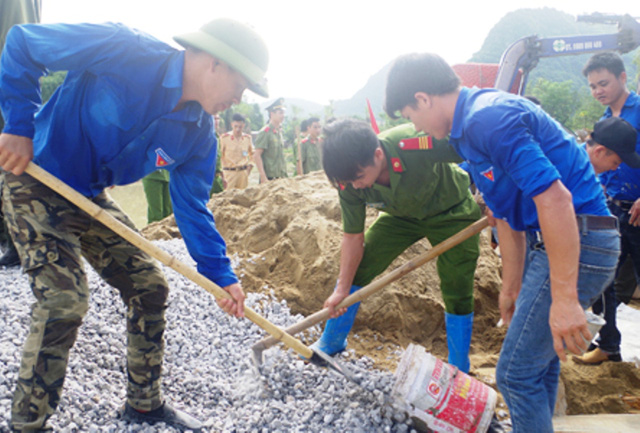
pixel 242 167
pixel 597 222
pixel 622 204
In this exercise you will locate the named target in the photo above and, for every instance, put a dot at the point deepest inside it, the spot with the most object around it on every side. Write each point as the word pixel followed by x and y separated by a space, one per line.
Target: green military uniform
pixel 427 197
pixel 311 155
pixel 156 189
pixel 270 139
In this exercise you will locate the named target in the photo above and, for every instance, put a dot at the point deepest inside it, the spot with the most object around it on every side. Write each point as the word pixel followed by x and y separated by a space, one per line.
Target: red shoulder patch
pixel 266 129
pixel 396 164
pixel 417 143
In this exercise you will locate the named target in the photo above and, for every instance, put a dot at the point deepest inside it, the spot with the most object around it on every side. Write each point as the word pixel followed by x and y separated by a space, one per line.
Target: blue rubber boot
pixel 459 339
pixel 334 336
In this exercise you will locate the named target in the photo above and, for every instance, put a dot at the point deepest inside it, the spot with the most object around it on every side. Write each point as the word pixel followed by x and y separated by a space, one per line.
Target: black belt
pixel 242 167
pixel 597 222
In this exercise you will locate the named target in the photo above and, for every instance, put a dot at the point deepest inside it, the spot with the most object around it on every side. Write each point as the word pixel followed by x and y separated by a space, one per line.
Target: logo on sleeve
pixel 488 173
pixel 162 159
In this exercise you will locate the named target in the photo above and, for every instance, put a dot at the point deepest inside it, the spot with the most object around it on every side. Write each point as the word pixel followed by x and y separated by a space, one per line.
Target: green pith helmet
pixel 235 44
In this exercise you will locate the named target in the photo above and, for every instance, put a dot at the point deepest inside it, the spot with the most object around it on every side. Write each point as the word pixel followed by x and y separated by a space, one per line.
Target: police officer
pixel 533 175
pixel 407 177
pixel 310 147
pixel 236 153
pixel 269 152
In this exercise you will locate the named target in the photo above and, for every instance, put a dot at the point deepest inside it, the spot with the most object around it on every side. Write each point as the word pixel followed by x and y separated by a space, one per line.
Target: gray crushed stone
pixel 207 370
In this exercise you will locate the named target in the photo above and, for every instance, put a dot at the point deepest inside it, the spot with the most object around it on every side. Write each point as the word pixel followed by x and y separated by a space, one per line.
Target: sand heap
pixel 286 237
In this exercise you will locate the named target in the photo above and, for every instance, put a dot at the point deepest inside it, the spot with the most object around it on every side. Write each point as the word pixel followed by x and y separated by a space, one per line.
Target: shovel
pixel 374 286
pixel 95 211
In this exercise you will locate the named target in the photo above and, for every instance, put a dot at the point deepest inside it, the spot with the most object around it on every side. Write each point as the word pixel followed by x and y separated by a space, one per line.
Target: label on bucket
pixel 440 396
pixel 465 404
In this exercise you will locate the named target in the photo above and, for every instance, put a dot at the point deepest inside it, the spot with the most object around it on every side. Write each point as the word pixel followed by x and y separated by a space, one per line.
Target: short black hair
pixel 417 72
pixel 237 117
pixel 311 120
pixel 609 60
pixel 304 125
pixel 349 146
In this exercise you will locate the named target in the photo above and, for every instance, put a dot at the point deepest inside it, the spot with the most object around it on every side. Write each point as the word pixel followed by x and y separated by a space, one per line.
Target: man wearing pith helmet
pixel 130 105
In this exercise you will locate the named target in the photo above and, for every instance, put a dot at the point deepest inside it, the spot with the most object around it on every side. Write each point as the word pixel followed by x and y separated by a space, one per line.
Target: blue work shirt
pixel 112 121
pixel 516 151
pixel 624 182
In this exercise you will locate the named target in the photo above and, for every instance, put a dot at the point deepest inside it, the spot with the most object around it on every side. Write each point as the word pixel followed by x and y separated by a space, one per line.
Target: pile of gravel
pixel 207 369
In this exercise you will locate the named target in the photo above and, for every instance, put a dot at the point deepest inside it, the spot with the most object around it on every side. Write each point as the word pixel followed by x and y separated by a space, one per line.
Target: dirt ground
pixel 286 237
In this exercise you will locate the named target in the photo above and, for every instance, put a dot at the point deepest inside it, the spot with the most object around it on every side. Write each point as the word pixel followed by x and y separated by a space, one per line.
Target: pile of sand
pixel 286 236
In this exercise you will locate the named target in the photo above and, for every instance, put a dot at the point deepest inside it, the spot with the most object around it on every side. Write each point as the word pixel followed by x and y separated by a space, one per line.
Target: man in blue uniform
pixel 608 82
pixel 532 175
pixel 130 104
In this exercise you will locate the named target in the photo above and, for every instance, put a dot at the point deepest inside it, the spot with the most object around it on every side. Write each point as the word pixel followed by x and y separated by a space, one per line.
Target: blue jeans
pixel 528 368
pixel 609 338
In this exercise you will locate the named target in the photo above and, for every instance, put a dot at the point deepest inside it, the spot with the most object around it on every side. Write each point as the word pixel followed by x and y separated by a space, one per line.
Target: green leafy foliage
pixel 49 84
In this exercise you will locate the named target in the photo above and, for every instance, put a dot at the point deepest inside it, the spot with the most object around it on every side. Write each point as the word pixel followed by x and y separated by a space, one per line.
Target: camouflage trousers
pixel 52 235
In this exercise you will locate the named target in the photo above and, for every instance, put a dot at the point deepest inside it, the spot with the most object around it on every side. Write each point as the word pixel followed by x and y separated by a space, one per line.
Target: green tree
pixel 385 122
pixel 49 84
pixel 588 112
pixel 557 98
pixel 251 112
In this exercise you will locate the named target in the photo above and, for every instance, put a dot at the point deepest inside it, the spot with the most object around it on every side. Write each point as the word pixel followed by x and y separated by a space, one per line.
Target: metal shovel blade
pixel 321 359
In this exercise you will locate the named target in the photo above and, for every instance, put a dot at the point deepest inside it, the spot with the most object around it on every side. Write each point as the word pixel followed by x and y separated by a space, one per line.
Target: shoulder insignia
pixel 266 129
pixel 417 143
pixel 226 134
pixel 488 173
pixel 342 186
pixel 304 140
pixel 396 164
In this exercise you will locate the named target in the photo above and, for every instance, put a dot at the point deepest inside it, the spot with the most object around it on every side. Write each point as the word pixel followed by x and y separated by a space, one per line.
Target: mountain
pixel 357 104
pixel 545 22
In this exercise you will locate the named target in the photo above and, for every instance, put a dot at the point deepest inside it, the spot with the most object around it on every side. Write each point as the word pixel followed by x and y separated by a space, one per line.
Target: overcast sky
pixel 327 49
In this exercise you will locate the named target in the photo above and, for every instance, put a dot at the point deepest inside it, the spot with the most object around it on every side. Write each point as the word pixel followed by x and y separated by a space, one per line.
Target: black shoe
pixel 165 414
pixel 10 258
pixel 496 426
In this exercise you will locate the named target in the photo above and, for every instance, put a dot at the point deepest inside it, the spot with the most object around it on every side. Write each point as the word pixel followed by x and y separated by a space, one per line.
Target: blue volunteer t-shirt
pixel 115 119
pixel 516 151
pixel 624 183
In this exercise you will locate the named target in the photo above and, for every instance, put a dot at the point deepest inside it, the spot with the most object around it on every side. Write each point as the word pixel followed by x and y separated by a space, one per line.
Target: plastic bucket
pixel 440 396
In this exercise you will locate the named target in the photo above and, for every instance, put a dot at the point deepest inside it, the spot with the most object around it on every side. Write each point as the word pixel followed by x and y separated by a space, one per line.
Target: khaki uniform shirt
pixel 235 152
pixel 423 181
pixel 270 139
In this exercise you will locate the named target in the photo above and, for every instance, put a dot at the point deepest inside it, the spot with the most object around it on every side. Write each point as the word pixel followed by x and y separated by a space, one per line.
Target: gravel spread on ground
pixel 207 372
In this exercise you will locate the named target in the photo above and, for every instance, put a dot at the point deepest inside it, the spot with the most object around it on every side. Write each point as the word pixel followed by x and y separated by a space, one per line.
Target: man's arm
pixel 562 243
pixel 257 158
pixel 350 257
pixel 513 245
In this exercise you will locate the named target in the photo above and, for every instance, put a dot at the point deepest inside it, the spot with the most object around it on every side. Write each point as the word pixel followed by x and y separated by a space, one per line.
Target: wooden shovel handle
pixel 148 247
pixel 376 285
